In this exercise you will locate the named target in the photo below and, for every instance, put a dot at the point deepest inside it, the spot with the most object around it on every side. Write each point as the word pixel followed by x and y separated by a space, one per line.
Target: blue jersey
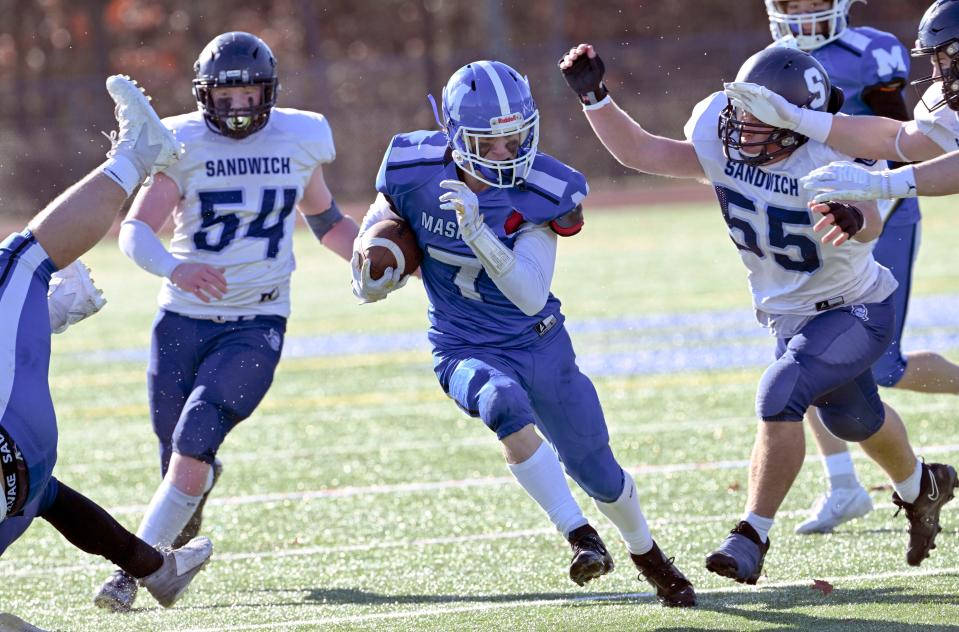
pixel 466 307
pixel 863 57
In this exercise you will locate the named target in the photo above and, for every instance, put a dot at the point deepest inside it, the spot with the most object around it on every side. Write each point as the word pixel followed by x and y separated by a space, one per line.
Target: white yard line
pixel 572 599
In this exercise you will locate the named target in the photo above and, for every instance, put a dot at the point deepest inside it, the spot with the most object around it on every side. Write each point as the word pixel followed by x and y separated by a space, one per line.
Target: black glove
pixel 847 217
pixel 585 77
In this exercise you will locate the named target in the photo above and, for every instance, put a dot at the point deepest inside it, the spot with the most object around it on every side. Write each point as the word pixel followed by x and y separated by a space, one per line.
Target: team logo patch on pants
pixel 274 339
pixel 861 312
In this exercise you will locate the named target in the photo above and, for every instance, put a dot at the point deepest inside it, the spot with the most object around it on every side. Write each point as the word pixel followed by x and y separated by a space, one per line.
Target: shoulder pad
pixel 551 190
pixel 411 160
pixel 187 127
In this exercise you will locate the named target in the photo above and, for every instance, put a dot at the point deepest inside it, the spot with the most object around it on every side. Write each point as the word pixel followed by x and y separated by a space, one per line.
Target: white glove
pixel 849 181
pixel 366 288
pixel 72 296
pixel 464 203
pixel 764 104
pixel 496 258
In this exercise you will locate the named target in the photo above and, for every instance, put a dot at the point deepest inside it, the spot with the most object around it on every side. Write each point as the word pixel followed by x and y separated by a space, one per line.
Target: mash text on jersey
pixel 258 165
pixel 755 176
pixel 444 227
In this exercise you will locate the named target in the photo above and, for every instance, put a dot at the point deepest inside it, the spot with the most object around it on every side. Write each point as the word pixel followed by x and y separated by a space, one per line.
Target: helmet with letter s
pixel 483 102
pixel 235 59
pixel 796 76
pixel 808 30
pixel 938 38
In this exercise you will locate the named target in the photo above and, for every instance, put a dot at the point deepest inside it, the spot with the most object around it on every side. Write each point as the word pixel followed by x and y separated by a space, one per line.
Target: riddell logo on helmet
pixel 504 121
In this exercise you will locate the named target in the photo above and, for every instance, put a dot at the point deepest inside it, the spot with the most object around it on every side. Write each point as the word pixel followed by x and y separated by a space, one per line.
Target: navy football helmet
pixel 796 76
pixel 809 30
pixel 939 37
pixel 487 100
pixel 235 59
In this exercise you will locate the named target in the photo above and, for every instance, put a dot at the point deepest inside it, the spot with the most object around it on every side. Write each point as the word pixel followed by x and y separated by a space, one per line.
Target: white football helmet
pixel 808 30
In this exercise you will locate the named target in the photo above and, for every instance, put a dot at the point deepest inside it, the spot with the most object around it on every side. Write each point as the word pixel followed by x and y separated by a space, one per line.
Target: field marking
pixel 396 544
pixel 572 599
pixel 490 481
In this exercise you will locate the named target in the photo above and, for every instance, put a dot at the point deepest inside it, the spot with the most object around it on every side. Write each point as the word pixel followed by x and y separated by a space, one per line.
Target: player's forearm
pixel 138 242
pixel 526 284
pixel 637 149
pixel 872 222
pixel 937 176
pixel 871 137
pixel 341 236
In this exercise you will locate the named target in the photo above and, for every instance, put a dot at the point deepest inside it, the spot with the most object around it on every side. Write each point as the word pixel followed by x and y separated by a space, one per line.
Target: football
pixel 387 241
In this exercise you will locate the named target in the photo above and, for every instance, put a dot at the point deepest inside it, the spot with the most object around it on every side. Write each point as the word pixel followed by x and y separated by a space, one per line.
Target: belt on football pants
pixel 14 477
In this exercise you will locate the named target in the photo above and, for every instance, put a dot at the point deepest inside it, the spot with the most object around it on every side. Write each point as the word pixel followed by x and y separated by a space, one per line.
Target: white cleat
pixel 179 567
pixel 10 623
pixel 142 138
pixel 72 296
pixel 836 507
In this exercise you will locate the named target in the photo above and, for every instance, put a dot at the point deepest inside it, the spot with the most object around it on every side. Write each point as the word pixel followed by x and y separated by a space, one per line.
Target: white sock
pixel 542 477
pixel 626 514
pixel 908 489
pixel 209 481
pixel 840 470
pixel 122 171
pixel 169 511
pixel 760 524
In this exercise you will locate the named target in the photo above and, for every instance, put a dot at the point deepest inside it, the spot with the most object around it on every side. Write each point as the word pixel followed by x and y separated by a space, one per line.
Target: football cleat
pixel 72 296
pixel 11 623
pixel 590 557
pixel 179 567
pixel 192 527
pixel 117 593
pixel 835 507
pixel 142 138
pixel 936 489
pixel 740 556
pixel 672 587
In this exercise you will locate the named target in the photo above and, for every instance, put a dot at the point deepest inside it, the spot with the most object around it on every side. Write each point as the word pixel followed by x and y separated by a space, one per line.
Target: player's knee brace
pixel 504 406
pixel 202 429
pixel 779 396
pixel 853 423
pixel 598 473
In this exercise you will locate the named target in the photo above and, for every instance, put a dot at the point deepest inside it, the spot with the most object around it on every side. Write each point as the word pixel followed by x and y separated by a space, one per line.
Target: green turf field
pixel 358 497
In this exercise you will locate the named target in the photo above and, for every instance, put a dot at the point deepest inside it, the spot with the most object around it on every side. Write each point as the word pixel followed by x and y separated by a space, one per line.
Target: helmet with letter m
pixel 939 39
pixel 483 102
pixel 808 24
pixel 235 59
pixel 797 77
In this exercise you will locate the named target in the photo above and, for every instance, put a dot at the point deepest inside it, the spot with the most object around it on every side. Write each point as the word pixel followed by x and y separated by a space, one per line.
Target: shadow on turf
pixel 777 605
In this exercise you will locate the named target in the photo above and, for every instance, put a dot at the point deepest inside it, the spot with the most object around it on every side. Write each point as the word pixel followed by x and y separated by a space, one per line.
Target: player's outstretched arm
pixel 851 181
pixel 873 137
pixel 138 240
pixel 625 139
pixel 335 230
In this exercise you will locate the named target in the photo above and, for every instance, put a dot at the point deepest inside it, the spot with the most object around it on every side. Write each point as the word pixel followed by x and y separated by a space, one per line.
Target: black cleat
pixel 590 557
pixel 672 587
pixel 192 527
pixel 936 489
pixel 740 556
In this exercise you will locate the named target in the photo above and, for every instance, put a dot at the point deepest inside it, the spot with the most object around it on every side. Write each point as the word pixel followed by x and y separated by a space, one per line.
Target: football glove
pixel 585 77
pixel 495 256
pixel 367 289
pixel 764 104
pixel 72 296
pixel 849 181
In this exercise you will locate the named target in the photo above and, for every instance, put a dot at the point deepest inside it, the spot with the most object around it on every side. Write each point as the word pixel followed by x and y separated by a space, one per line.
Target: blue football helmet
pixel 808 30
pixel 938 39
pixel 484 101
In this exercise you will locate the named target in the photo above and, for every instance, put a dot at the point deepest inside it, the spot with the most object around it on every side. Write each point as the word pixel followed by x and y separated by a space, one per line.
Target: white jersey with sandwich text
pixel 790 272
pixel 941 126
pixel 237 209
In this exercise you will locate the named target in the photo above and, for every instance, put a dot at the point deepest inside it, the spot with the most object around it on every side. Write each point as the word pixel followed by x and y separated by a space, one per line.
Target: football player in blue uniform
pixel 487 207
pixel 225 295
pixel 68 227
pixel 827 301
pixel 871 67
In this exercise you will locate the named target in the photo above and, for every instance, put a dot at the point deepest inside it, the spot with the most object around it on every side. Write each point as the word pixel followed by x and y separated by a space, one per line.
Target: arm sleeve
pixel 138 241
pixel 527 283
